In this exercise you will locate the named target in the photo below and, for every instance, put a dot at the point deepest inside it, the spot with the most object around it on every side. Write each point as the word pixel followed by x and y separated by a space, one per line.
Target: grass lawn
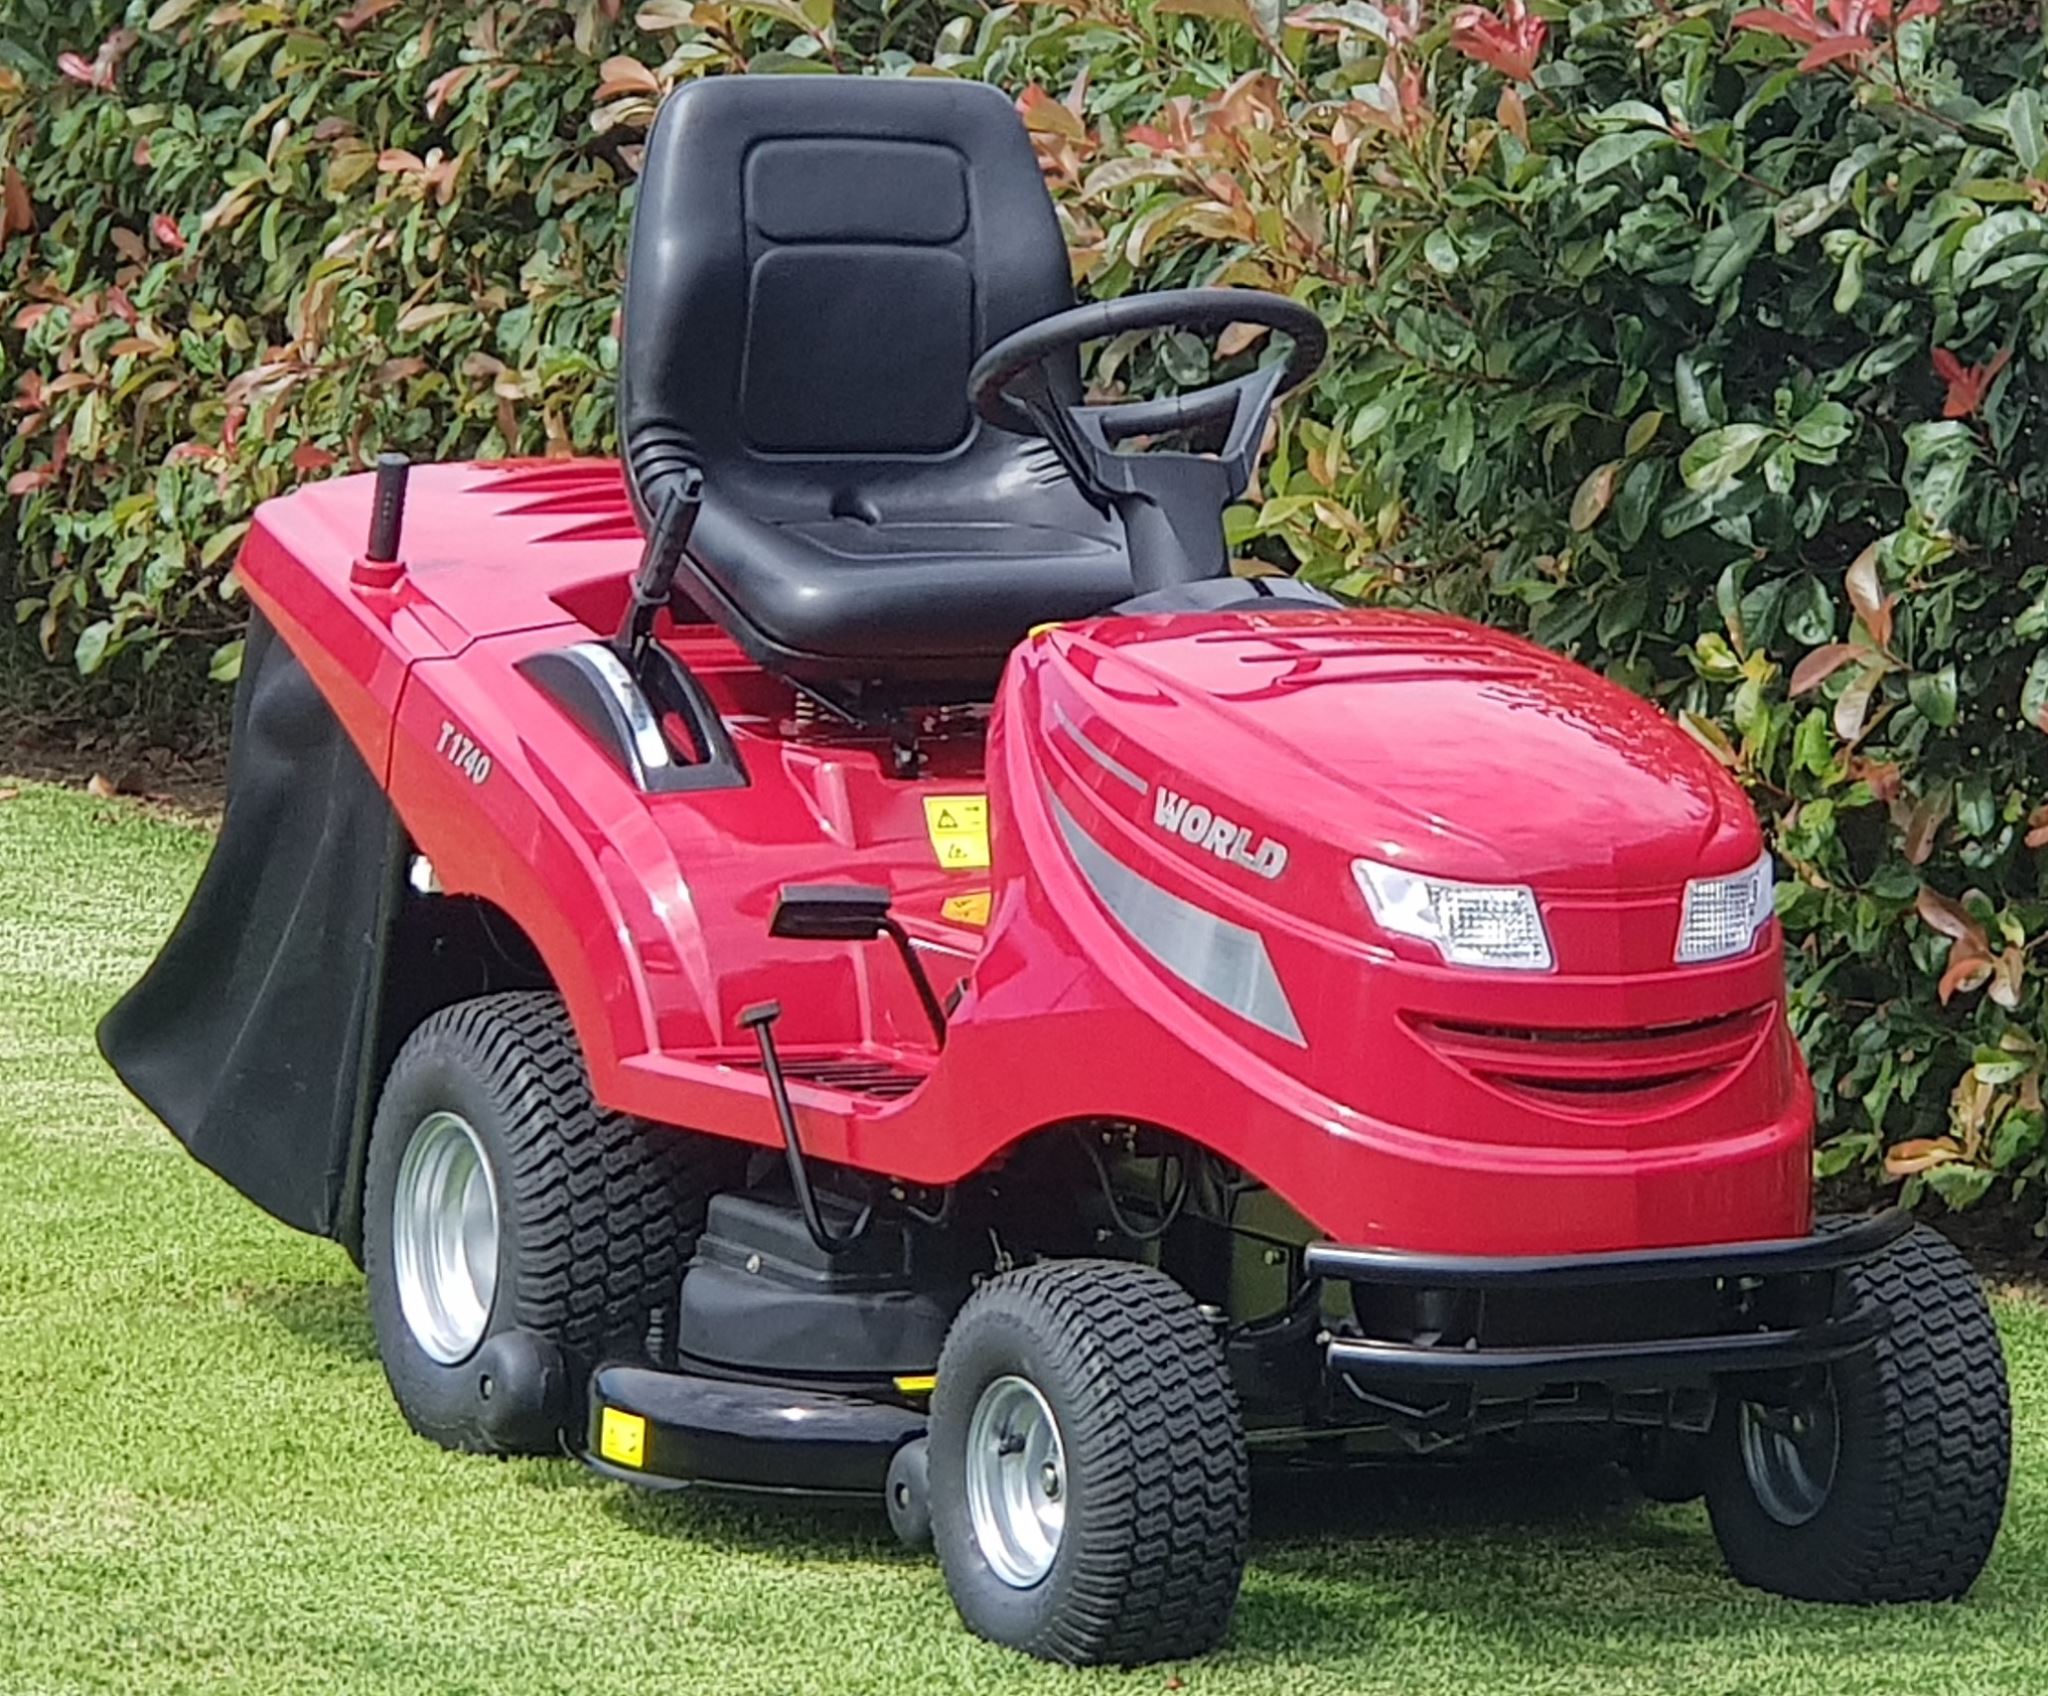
pixel 204 1487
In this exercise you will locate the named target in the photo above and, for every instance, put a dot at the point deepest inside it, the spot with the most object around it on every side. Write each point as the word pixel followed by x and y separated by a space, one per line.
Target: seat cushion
pixel 940 596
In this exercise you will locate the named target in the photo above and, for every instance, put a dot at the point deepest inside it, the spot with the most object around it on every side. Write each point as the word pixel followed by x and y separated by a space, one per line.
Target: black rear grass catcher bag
pixel 247 1036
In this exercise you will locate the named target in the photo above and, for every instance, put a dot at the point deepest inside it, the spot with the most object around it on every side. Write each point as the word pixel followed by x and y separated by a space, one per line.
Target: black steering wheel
pixel 1003 367
pixel 1171 503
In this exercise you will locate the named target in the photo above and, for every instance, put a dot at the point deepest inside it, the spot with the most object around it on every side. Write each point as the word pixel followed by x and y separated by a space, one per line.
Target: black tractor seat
pixel 816 264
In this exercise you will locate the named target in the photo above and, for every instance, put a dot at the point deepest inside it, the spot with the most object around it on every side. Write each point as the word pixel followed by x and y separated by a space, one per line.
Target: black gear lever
pixel 655 581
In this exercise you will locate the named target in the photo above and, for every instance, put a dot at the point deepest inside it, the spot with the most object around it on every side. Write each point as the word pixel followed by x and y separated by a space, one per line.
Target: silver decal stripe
pixel 1226 962
pixel 1108 762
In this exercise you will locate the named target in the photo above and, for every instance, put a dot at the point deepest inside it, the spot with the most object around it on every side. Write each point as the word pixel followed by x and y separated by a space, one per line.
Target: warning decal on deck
pixel 967 909
pixel 622 1438
pixel 958 827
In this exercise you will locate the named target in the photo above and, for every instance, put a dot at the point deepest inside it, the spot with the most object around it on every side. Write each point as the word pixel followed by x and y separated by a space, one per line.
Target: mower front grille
pixel 1578 1070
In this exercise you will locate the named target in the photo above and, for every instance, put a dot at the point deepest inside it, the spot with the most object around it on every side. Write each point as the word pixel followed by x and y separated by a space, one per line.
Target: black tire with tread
pixel 598 1212
pixel 1158 1480
pixel 1925 1448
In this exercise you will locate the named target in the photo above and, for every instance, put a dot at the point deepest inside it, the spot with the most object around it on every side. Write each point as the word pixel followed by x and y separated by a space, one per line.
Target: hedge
pixel 1705 341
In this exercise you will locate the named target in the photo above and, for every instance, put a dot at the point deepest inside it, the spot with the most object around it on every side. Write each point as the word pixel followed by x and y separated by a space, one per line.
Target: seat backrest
pixel 816 262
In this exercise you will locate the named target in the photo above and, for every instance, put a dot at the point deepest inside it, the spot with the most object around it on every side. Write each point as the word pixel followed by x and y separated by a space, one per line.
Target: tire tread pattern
pixel 609 1207
pixel 1159 1552
pixel 1917 1516
pixel 602 1210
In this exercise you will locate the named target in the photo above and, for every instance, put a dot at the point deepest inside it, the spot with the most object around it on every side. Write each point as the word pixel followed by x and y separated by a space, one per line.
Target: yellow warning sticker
pixel 967 909
pixel 958 827
pixel 622 1438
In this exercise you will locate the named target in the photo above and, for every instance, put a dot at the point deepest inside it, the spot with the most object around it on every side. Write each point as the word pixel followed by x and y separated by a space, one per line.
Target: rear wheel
pixel 1882 1478
pixel 514 1231
pixel 1090 1492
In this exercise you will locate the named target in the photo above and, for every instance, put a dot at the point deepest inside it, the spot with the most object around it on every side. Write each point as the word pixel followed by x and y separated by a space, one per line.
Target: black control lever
pixel 655 581
pixel 760 1019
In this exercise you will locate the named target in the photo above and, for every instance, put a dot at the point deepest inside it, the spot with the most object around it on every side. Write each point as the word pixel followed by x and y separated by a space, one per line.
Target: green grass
pixel 204 1487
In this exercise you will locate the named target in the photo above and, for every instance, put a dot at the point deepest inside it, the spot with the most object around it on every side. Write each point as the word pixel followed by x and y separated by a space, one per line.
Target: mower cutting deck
pixel 848 953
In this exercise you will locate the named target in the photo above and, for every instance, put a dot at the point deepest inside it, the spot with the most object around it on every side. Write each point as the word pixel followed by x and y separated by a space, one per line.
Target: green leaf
pixel 1938 458
pixel 1458 435
pixel 1996 1066
pixel 1633 112
pixel 1611 152
pixel 1692 395
pixel 1990 234
pixel 1976 808
pixel 2034 692
pixel 1642 432
pixel 1441 251
pixel 1637 503
pixel 1726 251
pixel 91 650
pixel 1802 213
pixel 235 62
pixel 1809 612
pixel 1826 427
pixel 1933 694
pixel 1813 745
pixel 1715 460
pixel 226 664
pixel 2023 124
pixel 1595 495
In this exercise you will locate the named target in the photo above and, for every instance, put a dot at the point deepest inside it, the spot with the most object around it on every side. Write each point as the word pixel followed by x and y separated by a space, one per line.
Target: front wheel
pixel 1882 1478
pixel 1090 1490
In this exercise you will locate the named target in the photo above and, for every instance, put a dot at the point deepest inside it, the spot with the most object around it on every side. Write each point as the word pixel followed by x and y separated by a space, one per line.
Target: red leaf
pixel 625 75
pixel 2007 972
pixel 17 211
pixel 1511 43
pixel 307 457
pixel 1967 384
pixel 448 85
pixel 1866 594
pixel 1918 1155
pixel 1965 973
pixel 361 14
pixel 27 482
pixel 1823 663
pixel 1513 113
pixel 164 230
pixel 1047 116
pixel 1951 919
pixel 78 68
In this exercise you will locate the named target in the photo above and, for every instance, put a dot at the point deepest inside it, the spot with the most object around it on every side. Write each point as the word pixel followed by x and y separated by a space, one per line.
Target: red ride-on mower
pixel 848 953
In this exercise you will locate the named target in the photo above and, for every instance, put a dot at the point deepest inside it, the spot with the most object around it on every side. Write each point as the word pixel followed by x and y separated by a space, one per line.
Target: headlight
pixel 1723 914
pixel 1469 924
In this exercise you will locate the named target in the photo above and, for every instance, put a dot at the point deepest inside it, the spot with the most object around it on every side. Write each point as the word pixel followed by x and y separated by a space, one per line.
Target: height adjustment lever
pixel 760 1019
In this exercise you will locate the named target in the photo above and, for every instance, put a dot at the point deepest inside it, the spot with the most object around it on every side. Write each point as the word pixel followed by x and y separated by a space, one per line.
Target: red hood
pixel 1413 738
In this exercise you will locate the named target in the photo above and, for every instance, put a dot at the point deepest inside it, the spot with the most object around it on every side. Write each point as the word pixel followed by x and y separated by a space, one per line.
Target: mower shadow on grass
pixel 328 1317
pixel 1424 1499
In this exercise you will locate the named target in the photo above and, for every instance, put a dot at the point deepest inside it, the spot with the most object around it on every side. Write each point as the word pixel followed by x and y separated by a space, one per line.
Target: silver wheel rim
pixel 1789 1454
pixel 1016 1482
pixel 444 1238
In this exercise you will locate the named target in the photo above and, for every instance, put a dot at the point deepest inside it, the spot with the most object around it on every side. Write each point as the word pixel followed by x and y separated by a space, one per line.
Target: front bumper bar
pixel 1648 1317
